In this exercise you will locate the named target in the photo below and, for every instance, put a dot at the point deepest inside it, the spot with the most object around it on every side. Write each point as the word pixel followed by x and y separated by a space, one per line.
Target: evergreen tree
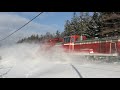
pixel 57 33
pixel 67 28
pixel 94 26
pixel 110 24
pixel 83 23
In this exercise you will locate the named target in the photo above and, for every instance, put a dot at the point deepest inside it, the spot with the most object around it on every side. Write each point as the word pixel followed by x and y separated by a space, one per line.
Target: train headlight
pixel 91 51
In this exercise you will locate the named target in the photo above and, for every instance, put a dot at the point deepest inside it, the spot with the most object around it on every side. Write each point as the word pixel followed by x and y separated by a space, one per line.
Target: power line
pixel 21 27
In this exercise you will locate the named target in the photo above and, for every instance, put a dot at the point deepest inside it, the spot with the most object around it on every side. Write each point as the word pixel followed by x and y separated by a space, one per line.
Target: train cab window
pixel 67 40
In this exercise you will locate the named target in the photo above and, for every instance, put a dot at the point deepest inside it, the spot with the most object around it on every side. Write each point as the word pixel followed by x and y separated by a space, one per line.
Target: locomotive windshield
pixel 67 40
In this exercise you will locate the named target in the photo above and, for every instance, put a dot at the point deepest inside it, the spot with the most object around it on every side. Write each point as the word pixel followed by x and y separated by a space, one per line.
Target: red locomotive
pixel 80 45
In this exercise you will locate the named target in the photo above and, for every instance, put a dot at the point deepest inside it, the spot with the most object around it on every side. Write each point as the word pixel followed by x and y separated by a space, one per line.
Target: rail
pixel 77 71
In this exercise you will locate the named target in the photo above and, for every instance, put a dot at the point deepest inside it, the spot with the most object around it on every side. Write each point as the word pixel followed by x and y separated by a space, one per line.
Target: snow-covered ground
pixel 30 61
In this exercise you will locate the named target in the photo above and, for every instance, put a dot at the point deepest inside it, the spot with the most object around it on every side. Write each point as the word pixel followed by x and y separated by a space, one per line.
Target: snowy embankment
pixel 30 61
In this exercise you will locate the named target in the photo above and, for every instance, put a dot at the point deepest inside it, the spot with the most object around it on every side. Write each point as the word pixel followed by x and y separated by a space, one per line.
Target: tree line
pixel 40 38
